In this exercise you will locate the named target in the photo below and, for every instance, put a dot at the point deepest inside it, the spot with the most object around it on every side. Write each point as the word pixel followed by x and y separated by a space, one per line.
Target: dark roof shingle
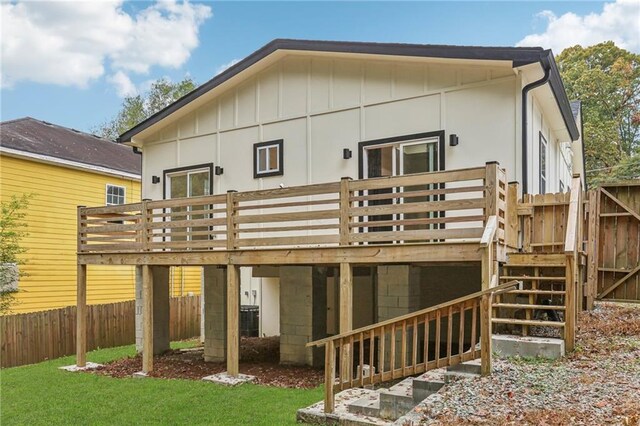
pixel 40 137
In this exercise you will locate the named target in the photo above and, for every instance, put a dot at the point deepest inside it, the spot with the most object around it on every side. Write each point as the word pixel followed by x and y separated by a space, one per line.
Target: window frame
pixel 106 194
pixel 543 175
pixel 279 143
pixel 186 170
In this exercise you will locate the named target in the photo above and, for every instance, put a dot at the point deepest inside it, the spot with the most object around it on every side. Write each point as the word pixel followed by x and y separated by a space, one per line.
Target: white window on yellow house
pixel 116 195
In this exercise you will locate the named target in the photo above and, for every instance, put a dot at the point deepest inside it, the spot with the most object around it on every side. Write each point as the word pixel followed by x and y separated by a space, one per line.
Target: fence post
pixel 345 218
pixel 592 247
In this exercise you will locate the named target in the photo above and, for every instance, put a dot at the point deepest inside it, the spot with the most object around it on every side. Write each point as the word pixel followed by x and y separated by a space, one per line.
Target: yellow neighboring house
pixel 64 168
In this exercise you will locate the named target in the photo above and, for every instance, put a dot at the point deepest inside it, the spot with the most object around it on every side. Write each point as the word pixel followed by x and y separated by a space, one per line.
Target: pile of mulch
pixel 599 383
pixel 258 357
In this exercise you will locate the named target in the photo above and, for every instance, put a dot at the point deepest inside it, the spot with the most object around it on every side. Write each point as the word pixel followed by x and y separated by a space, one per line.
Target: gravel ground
pixel 598 384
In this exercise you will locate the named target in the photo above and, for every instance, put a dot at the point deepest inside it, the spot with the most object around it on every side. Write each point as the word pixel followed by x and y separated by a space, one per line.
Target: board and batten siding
pixel 320 106
pixel 52 238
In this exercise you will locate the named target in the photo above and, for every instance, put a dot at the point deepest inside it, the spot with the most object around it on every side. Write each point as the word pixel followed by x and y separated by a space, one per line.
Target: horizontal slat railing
pixel 435 337
pixel 426 207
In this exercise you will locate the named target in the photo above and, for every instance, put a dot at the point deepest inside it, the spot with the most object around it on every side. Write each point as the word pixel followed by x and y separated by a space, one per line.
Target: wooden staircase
pixel 537 307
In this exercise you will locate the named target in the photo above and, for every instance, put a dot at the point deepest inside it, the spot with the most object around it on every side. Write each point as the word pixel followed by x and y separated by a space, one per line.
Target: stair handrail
pixel 502 288
pixel 346 341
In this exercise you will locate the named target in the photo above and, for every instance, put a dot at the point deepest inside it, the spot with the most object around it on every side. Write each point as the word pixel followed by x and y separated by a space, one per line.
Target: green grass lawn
pixel 41 394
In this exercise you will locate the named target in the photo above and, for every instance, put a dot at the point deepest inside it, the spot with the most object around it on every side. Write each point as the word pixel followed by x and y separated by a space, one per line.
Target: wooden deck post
pixel 513 223
pixel 147 319
pixel 81 301
pixel 485 334
pixel 345 219
pixel 81 317
pixel 346 316
pixel 570 305
pixel 231 225
pixel 233 320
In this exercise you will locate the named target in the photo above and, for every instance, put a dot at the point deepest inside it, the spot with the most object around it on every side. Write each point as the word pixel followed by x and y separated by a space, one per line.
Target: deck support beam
pixel 233 320
pixel 147 319
pixel 346 316
pixel 81 317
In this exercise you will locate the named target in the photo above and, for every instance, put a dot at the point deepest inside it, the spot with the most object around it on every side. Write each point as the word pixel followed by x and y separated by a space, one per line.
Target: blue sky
pixel 80 80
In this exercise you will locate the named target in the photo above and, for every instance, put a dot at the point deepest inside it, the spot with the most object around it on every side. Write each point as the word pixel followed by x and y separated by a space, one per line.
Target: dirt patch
pixel 598 383
pixel 258 357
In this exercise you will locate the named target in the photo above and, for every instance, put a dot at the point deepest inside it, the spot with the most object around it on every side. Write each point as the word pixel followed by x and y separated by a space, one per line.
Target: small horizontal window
pixel 115 195
pixel 267 159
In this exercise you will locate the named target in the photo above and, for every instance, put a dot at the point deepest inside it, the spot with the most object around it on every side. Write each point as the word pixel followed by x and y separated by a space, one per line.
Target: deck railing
pixel 439 336
pixel 425 207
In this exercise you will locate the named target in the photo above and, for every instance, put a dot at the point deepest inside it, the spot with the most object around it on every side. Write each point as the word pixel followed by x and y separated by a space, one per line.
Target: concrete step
pixel 470 367
pixel 466 370
pixel 397 400
pixel 423 388
pixel 367 406
pixel 527 347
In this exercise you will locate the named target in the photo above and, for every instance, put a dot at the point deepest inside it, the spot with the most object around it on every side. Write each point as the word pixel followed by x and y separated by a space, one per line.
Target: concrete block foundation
pixel 528 347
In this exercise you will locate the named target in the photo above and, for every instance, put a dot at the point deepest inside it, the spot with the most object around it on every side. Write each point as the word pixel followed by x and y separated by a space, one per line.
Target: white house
pixel 298 112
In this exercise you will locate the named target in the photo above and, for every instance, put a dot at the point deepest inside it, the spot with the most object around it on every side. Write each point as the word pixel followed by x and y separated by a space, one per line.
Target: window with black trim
pixel 116 195
pixel 543 164
pixel 268 159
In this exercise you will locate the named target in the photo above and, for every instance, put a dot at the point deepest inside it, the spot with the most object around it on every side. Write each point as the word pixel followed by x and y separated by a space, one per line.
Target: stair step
pixel 394 405
pixel 423 388
pixel 552 292
pixel 368 406
pixel 471 367
pixel 531 278
pixel 527 322
pixel 450 376
pixel 526 306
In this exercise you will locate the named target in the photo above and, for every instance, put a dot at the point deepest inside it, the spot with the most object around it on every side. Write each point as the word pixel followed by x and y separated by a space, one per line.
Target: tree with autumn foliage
pixel 606 79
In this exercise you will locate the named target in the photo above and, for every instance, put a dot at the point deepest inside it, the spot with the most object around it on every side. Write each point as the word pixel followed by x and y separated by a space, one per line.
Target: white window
pixel 115 195
pixel 543 164
pixel 267 159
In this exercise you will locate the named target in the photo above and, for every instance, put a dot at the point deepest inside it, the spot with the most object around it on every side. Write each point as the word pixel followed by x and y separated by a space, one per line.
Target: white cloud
pixel 229 64
pixel 618 22
pixel 123 84
pixel 73 43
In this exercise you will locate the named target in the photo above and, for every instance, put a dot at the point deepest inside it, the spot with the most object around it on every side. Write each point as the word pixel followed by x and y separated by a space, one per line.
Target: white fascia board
pixel 68 163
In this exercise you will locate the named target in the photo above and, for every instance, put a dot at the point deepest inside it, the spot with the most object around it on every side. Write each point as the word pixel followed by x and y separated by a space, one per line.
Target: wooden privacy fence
pixel 438 206
pixel 35 337
pixel 439 336
pixel 614 253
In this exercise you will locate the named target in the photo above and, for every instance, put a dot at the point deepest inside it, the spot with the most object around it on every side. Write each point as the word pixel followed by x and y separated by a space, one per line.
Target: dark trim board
pixel 518 56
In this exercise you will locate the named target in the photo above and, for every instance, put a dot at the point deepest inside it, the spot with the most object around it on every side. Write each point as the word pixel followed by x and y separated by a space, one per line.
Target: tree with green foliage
pixel 12 231
pixel 606 79
pixel 137 108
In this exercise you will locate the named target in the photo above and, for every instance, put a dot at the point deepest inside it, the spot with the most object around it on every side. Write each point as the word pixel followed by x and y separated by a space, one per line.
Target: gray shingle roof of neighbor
pixel 519 56
pixel 40 137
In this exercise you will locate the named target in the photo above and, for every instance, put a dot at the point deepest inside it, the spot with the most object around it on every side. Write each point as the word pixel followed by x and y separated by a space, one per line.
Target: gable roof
pixel 32 136
pixel 519 56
